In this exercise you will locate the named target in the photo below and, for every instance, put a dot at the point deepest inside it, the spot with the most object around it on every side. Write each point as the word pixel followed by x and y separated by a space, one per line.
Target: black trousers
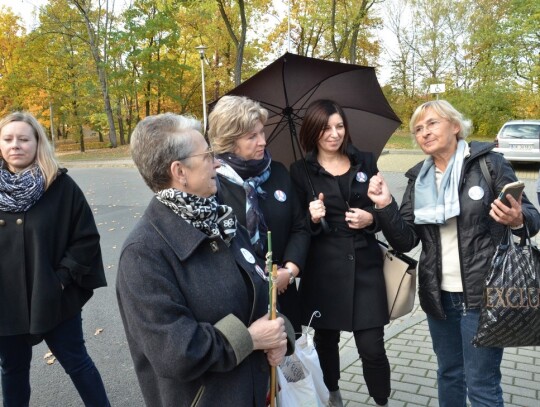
pixel 370 346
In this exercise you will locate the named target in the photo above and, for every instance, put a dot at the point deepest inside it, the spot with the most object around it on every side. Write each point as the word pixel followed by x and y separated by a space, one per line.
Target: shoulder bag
pixel 400 279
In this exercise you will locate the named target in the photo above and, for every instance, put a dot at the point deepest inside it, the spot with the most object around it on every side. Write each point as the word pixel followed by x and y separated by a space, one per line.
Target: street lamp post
pixel 201 49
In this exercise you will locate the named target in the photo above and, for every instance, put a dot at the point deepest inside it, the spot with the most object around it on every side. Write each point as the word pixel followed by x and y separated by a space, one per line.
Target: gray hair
pixel 159 140
pixel 231 118
pixel 445 110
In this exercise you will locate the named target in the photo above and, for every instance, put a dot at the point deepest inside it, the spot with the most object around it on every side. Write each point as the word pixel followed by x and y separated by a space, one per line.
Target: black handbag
pixel 510 314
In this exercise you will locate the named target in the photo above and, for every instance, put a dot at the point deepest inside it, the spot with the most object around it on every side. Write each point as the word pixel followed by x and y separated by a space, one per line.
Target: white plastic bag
pixel 300 377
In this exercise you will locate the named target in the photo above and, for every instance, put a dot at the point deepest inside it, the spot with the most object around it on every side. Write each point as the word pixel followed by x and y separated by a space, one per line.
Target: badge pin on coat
pixel 280 195
pixel 476 193
pixel 361 176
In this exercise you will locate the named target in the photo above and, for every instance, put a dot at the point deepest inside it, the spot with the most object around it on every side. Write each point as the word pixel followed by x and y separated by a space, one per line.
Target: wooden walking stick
pixel 272 296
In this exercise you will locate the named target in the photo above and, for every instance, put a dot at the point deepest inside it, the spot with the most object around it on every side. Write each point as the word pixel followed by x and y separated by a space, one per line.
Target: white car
pixel 519 140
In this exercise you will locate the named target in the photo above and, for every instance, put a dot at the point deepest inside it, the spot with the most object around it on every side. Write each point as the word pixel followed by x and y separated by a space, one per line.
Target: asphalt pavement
pixel 118 197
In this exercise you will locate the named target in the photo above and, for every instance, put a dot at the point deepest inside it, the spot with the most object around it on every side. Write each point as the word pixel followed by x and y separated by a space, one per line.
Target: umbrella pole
pixel 292 129
pixel 272 305
pixel 273 315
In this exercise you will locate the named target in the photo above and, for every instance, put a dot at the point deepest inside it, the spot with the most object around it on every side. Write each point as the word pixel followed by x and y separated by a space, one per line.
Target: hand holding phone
pixel 514 188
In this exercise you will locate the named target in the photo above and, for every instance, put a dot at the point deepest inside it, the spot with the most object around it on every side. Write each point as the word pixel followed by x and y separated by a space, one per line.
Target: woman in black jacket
pixel 449 207
pixel 260 192
pixel 50 263
pixel 343 278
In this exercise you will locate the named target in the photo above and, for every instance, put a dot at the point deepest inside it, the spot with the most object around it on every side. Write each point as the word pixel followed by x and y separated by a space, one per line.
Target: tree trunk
pixel 100 70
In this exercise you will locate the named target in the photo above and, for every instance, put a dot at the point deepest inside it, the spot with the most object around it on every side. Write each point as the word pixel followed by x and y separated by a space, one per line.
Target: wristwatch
pixel 291 275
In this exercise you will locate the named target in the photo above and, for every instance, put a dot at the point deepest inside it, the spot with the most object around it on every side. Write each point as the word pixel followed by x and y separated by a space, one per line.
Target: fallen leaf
pixel 98 331
pixel 47 355
pixel 51 360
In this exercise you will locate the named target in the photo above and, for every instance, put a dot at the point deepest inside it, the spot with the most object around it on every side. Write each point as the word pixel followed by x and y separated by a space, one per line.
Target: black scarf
pixel 250 174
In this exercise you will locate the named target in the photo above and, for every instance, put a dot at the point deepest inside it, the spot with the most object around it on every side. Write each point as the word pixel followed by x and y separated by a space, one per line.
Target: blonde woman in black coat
pixel 50 263
pixel 343 278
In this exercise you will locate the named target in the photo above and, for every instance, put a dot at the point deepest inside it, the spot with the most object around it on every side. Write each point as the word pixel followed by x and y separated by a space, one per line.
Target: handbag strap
pixel 486 173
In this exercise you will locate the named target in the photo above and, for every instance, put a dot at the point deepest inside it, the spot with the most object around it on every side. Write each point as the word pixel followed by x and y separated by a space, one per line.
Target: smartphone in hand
pixel 514 188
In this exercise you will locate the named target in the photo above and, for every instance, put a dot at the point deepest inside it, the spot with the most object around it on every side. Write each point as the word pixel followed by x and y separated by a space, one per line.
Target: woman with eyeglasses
pixel 260 192
pixel 449 207
pixel 192 295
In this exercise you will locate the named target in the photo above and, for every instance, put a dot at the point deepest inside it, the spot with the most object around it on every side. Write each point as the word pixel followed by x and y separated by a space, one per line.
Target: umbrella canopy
pixel 287 86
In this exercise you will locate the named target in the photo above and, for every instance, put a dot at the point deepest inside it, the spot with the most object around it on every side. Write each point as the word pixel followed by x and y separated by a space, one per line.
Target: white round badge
pixel 247 255
pixel 476 193
pixel 280 195
pixel 361 176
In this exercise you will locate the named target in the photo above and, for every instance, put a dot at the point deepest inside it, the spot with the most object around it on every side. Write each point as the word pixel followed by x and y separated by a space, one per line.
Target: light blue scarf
pixel 436 207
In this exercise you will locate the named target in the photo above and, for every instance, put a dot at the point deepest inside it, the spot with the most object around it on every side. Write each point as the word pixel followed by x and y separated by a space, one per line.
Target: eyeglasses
pixel 429 126
pixel 210 152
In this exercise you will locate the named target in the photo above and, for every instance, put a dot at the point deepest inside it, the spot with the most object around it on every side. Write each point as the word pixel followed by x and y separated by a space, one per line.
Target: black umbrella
pixel 288 85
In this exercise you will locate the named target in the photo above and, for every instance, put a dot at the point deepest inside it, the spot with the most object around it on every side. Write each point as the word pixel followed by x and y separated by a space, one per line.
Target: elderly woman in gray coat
pixel 192 297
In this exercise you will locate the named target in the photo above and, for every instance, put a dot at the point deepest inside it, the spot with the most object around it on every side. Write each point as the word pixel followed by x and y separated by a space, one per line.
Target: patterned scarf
pixel 20 191
pixel 432 206
pixel 250 174
pixel 204 214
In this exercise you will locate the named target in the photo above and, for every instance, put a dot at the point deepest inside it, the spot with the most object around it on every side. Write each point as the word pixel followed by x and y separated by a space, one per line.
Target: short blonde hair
pixel 445 110
pixel 231 118
pixel 45 158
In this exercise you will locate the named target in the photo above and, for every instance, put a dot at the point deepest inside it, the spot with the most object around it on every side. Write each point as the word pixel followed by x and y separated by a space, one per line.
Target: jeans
pixel 375 365
pixel 67 344
pixel 464 370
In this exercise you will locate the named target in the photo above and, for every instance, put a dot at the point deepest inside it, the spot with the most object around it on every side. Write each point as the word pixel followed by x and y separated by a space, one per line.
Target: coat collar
pixel 182 238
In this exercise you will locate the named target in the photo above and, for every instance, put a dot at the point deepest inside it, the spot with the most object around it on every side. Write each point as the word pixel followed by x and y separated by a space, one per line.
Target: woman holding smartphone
pixel 449 206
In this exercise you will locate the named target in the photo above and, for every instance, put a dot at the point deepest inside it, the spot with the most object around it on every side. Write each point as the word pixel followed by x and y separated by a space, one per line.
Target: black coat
pixel 186 301
pixel 478 233
pixel 343 278
pixel 284 218
pixel 55 242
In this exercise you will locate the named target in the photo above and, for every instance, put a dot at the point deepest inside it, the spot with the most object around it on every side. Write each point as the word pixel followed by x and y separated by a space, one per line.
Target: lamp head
pixel 201 49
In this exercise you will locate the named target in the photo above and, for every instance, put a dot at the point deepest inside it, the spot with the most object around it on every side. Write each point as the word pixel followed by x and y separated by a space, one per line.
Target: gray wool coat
pixel 186 302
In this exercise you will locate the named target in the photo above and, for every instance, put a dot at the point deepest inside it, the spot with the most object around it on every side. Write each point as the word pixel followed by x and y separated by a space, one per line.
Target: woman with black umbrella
pixel 343 277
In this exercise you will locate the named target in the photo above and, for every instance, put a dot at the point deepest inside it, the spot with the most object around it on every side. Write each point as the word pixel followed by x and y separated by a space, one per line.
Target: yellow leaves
pixel 98 331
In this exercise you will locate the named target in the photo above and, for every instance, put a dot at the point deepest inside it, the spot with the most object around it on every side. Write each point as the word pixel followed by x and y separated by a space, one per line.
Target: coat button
pixel 350 257
pixel 19 221
pixel 2 222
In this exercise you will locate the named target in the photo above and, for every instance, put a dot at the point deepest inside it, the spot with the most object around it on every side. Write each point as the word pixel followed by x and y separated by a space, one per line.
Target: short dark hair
pixel 316 119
